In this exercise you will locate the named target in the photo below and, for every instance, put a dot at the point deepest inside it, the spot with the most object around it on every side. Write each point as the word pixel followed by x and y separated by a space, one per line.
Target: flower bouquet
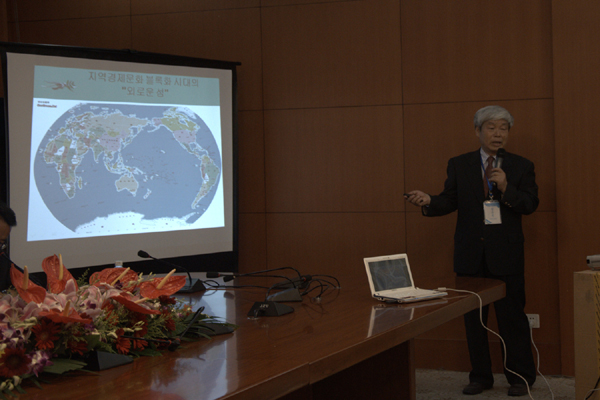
pixel 116 311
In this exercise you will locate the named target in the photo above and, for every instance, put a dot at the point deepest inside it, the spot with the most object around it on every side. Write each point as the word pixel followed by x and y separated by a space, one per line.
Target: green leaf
pixel 62 365
pixel 92 341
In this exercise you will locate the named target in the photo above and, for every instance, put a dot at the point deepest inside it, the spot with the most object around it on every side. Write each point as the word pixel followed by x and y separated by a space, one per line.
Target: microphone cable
pixel 538 361
pixel 323 284
pixel 332 277
pixel 211 284
pixel 319 285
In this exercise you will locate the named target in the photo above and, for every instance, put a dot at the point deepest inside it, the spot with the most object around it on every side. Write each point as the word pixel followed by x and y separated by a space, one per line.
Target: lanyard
pixel 490 185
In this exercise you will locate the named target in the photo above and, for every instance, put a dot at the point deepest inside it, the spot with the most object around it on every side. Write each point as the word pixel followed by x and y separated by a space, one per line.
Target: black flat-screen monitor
pixel 114 151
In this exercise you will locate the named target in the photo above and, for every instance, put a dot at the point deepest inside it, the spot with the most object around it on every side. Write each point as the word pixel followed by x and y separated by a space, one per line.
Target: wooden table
pixel 348 345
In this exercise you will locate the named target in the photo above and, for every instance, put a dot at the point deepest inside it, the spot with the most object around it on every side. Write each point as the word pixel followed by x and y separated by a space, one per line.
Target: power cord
pixel 538 361
pixel 443 289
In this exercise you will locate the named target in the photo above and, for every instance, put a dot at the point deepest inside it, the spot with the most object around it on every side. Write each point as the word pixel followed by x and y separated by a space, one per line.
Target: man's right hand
pixel 418 198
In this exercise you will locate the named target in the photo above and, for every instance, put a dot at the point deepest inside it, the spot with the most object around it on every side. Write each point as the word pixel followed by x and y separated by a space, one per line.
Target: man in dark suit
pixel 8 219
pixel 489 242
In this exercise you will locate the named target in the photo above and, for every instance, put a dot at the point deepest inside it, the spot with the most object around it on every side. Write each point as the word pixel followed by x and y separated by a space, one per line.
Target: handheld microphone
pixel 500 157
pixel 192 286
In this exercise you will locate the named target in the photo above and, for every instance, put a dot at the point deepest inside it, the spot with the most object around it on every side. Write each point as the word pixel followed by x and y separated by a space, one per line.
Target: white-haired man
pixel 489 242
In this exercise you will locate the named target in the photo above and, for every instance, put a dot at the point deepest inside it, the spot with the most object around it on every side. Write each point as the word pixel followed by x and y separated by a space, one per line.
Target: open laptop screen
pixel 390 274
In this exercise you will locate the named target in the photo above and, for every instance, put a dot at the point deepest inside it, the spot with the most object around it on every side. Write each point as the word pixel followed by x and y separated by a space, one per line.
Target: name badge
pixel 491 212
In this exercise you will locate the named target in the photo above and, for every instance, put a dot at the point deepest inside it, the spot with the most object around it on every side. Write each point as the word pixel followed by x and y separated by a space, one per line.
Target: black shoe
pixel 518 389
pixel 476 388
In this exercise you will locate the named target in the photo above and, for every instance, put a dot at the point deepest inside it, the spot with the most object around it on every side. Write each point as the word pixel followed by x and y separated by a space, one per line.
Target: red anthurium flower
pixel 56 273
pixel 133 306
pixel 45 334
pixel 111 276
pixel 28 290
pixel 66 316
pixel 14 362
pixel 162 286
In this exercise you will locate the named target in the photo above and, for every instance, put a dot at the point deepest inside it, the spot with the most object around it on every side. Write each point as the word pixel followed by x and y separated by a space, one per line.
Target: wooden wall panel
pixel 252 242
pixel 430 247
pixel 332 54
pixel 139 7
pixel 251 162
pixel 105 32
pixel 335 159
pixel 275 3
pixel 576 37
pixel 433 133
pixel 465 50
pixel 229 35
pixel 541 273
pixel 3 23
pixel 333 243
pixel 41 10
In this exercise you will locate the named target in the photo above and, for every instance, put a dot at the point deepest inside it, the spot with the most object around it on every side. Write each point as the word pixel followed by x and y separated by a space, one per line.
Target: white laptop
pixel 390 280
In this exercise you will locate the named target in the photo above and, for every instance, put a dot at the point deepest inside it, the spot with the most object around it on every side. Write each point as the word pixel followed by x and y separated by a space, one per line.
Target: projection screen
pixel 110 152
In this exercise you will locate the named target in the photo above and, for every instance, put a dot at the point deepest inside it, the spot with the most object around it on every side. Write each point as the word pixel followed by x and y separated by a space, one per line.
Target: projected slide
pixel 121 153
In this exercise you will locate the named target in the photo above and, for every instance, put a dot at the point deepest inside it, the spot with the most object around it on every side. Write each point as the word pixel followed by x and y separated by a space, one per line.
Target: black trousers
pixel 513 326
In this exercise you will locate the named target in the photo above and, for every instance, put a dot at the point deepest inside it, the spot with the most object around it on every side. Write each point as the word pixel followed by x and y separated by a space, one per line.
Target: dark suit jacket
pixel 502 245
pixel 5 282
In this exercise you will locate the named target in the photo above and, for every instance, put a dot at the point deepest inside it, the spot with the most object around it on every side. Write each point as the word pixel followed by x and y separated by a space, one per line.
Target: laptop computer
pixel 390 279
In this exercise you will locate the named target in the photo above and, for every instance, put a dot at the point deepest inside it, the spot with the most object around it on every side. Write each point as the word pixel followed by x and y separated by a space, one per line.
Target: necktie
pixel 488 172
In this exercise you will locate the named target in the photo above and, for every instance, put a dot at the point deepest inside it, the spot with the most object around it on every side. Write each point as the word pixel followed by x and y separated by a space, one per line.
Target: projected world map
pixel 105 160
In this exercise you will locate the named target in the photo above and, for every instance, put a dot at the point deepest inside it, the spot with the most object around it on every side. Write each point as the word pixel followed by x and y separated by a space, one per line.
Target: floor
pixel 448 385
